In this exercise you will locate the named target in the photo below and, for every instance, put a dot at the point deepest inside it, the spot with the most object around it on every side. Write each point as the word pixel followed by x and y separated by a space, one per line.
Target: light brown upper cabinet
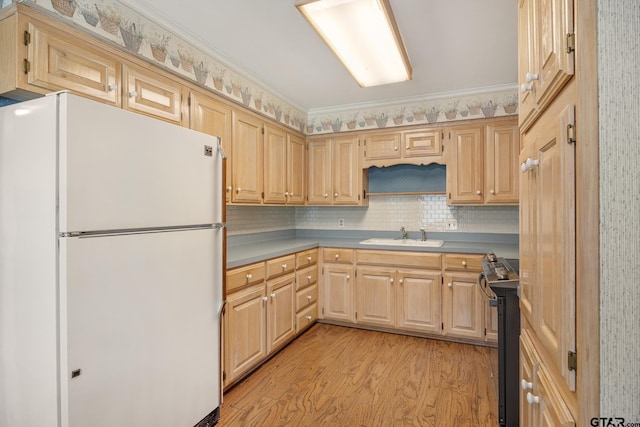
pixel 546 54
pixel 247 158
pixel 284 167
pixel 335 173
pixel 213 117
pixel 482 164
pixel 418 146
pixel 39 58
pixel 150 93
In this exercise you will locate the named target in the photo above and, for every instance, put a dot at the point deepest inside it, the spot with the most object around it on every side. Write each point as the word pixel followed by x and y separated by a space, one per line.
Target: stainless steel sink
pixel 403 242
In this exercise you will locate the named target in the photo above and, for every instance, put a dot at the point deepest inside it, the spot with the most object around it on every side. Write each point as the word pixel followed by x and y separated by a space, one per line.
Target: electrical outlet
pixel 340 222
pixel 452 224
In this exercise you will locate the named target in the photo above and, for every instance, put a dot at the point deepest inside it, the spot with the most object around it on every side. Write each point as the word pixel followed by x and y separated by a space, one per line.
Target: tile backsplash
pixel 385 213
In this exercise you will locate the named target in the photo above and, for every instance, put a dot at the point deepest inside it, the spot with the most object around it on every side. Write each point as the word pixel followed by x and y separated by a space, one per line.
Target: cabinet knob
pixel 229 188
pixel 326 195
pixel 133 94
pixel 526 87
pixel 273 295
pixel 265 299
pixel 348 277
pixel 401 281
pixel 492 191
pixel 309 297
pixel 238 190
pixel 532 399
pixel 395 148
pixel 390 280
pixel 450 285
pixel 531 77
pixel 335 194
pixel 112 87
pixel 464 263
pixel 526 385
pixel 309 258
pixel 337 256
pixel 309 278
pixel 478 192
pixel 284 266
pixel 286 194
pixel 309 317
pixel 249 276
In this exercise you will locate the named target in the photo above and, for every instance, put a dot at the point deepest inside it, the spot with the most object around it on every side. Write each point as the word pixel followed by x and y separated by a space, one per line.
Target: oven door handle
pixel 493 301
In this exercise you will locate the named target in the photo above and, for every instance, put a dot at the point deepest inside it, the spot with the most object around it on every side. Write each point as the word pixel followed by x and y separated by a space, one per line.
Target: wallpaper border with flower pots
pixel 140 36
pixel 492 103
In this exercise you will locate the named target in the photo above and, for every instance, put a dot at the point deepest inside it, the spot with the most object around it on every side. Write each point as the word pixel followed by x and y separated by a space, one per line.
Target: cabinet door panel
pixel 382 146
pixel 59 64
pixel 214 118
pixel 281 309
pixel 554 22
pixel 462 306
pixel 375 293
pixel 275 160
pixel 246 339
pixel 319 184
pixel 147 92
pixel 528 240
pixel 501 169
pixel 554 306
pixel 527 59
pixel 346 169
pixel 465 166
pixel 422 143
pixel 418 301
pixel 246 159
pixel 296 170
pixel 338 292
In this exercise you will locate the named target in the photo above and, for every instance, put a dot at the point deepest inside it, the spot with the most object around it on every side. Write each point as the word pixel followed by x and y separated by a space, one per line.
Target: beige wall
pixel 619 113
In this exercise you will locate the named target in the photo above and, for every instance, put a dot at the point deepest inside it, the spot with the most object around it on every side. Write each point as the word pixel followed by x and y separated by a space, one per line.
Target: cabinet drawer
pixel 306 318
pixel 279 266
pixel 337 255
pixel 306 277
pixel 422 143
pixel 464 262
pixel 306 297
pixel 400 259
pixel 245 276
pixel 306 258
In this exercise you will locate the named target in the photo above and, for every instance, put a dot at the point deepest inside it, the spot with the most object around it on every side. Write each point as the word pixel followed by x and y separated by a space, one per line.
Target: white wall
pixel 384 213
pixel 619 111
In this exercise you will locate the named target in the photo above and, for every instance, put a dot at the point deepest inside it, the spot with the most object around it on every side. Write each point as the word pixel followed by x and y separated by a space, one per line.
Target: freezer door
pixel 140 329
pixel 122 170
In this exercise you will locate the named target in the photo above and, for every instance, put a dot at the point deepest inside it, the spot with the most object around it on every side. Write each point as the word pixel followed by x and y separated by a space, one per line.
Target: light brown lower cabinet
pixel 541 403
pixel 268 303
pixel 462 306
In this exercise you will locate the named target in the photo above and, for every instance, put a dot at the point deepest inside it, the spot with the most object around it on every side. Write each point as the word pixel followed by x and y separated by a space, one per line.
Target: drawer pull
pixel 309 297
pixel 309 258
pixel 335 194
pixel 309 317
pixel 464 263
pixel 309 278
pixel 337 256
pixel 133 94
pixel 112 87
pixel 265 299
pixel 249 276
pixel 273 296
pixel 532 399
pixel 284 266
pixel 526 385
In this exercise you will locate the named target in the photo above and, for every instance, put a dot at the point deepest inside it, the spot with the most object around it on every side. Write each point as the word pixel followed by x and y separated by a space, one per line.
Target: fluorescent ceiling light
pixel 364 36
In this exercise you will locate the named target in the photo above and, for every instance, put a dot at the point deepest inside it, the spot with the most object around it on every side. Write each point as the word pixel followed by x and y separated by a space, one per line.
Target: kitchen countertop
pixel 249 248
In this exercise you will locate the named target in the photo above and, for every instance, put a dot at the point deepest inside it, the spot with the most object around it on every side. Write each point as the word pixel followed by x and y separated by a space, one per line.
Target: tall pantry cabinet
pixel 548 95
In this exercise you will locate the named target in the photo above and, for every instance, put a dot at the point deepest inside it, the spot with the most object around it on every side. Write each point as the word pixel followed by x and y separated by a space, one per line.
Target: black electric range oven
pixel 502 277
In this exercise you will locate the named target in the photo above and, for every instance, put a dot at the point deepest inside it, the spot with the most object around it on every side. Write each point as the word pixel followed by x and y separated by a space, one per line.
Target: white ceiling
pixel 453 46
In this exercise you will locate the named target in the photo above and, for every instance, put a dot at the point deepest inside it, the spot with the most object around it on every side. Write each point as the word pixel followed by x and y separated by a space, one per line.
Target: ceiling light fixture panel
pixel 364 36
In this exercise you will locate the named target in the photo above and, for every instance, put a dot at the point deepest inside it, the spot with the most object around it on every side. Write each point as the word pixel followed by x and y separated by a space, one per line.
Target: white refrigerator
pixel 111 251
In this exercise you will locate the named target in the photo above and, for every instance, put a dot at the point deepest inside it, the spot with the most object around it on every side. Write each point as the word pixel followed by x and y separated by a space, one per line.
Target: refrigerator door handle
pixel 221 308
pixel 219 225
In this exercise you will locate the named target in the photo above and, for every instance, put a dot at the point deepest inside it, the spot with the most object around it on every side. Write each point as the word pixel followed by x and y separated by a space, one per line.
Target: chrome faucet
pixel 424 234
pixel 404 233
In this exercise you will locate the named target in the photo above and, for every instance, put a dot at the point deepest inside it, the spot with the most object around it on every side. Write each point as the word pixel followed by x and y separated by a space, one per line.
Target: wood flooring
pixel 338 376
